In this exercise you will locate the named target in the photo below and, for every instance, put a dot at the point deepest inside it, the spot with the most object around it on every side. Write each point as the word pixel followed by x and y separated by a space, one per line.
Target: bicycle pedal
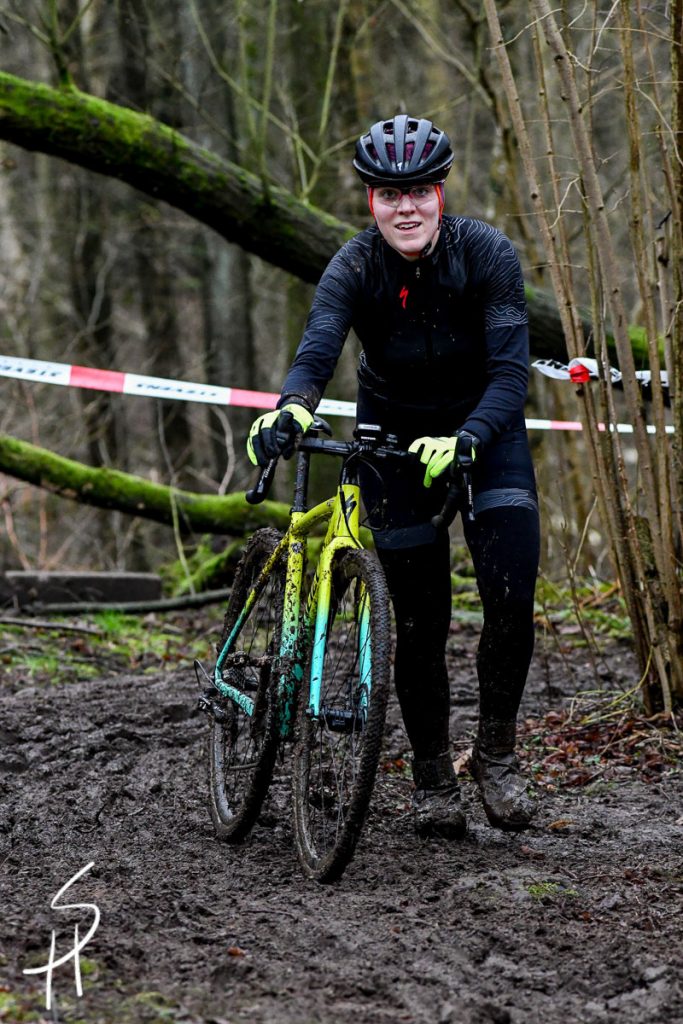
pixel 342 720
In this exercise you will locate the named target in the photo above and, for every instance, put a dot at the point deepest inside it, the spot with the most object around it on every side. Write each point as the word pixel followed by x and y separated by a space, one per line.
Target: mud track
pixel 577 920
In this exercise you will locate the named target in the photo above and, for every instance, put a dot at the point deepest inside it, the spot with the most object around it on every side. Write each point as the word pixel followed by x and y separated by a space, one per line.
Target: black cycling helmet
pixel 404 151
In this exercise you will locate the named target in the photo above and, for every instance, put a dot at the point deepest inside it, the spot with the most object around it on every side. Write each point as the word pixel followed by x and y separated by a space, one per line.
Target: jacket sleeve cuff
pixel 479 429
pixel 304 400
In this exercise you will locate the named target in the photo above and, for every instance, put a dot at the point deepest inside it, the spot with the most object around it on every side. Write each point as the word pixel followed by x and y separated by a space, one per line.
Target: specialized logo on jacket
pixel 403 296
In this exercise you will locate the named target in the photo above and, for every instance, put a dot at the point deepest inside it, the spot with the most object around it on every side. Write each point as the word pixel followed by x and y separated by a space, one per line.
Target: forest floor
pixel 578 919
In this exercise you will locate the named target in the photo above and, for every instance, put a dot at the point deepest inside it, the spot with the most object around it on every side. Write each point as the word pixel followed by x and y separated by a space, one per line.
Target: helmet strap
pixel 371 200
pixel 441 192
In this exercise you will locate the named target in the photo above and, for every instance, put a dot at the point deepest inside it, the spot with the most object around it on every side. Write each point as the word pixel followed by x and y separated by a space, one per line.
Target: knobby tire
pixel 242 748
pixel 335 766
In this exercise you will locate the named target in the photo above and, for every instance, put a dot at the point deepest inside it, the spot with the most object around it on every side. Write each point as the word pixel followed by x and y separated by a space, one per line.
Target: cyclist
pixel 437 302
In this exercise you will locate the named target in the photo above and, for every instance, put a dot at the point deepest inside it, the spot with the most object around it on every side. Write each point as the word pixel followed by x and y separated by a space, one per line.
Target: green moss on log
pixel 124 492
pixel 160 161
pixel 203 569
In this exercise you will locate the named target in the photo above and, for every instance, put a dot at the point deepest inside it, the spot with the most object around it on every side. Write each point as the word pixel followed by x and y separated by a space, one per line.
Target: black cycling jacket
pixel 447 332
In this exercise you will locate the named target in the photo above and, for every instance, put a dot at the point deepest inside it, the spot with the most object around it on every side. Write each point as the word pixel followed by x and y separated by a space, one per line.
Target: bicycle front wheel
pixel 242 733
pixel 338 747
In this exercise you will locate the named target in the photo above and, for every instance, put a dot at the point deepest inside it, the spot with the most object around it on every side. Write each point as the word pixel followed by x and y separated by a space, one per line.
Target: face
pixel 409 224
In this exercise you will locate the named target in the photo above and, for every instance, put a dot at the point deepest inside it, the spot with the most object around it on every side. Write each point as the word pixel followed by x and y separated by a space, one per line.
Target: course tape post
pixel 40 371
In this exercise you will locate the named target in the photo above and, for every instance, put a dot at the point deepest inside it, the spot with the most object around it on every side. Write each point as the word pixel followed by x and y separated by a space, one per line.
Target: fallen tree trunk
pixel 160 161
pixel 123 492
pixel 167 604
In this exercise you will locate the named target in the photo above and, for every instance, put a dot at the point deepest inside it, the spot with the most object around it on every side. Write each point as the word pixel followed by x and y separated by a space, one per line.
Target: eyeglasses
pixel 418 194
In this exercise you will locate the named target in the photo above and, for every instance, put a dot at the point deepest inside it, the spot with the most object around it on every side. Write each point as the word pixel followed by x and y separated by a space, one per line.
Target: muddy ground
pixel 578 920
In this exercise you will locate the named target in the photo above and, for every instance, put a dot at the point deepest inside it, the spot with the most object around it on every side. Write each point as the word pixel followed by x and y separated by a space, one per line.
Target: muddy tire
pixel 337 752
pixel 242 746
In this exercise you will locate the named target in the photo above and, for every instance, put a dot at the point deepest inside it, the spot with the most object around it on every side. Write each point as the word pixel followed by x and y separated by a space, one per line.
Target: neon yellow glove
pixel 275 433
pixel 439 453
pixel 436 453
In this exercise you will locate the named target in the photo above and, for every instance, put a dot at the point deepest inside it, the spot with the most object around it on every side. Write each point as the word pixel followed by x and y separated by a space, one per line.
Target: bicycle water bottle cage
pixel 342 720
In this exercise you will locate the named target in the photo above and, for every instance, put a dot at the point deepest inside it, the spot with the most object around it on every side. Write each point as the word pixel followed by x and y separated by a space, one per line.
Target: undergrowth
pixel 76 649
pixel 593 610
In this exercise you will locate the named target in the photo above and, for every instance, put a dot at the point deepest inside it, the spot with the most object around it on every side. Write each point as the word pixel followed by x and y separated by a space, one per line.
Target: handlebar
pixel 461 483
pixel 367 442
pixel 259 492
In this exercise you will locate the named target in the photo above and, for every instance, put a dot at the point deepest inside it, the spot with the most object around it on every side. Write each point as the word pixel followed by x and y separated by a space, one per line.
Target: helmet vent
pixel 405 151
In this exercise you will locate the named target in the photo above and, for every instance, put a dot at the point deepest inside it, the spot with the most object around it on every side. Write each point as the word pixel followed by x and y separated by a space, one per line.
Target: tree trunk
pixel 227 291
pixel 153 238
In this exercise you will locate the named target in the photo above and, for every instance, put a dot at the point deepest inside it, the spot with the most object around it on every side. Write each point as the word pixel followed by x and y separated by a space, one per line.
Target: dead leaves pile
pixel 600 737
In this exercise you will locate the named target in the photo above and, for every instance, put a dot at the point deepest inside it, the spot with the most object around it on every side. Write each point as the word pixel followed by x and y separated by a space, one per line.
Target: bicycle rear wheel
pixel 338 750
pixel 242 733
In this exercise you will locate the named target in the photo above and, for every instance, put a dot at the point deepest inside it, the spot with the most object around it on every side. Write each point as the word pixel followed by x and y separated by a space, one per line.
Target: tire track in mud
pixel 580 923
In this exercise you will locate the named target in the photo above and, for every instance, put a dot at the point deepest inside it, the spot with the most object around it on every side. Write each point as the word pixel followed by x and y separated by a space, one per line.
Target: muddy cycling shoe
pixel 436 800
pixel 502 787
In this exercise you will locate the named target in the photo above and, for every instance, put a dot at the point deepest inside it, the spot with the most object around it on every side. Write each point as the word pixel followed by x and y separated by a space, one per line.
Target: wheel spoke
pixel 338 751
pixel 242 746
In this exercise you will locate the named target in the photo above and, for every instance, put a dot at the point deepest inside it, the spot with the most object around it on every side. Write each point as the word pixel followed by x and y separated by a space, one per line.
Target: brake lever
pixel 259 492
pixel 467 481
pixel 461 483
pixel 445 517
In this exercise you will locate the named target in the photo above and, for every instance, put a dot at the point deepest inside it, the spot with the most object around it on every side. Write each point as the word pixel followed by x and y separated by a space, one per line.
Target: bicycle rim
pixel 242 746
pixel 338 751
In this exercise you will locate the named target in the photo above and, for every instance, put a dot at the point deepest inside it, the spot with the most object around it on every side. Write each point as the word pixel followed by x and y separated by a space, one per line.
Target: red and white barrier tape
pixel 42 372
pixel 583 369
pixel 39 371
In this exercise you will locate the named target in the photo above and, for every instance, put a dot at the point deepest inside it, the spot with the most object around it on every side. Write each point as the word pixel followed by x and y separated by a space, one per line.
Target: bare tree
pixel 644 543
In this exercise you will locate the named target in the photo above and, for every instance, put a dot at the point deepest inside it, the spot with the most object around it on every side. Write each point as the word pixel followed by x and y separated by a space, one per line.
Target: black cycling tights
pixel 504 544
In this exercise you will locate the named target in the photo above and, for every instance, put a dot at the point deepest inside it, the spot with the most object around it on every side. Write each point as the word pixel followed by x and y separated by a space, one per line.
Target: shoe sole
pixel 507 826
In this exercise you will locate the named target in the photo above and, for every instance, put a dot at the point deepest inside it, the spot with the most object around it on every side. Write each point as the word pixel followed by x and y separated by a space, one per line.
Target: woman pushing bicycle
pixel 437 302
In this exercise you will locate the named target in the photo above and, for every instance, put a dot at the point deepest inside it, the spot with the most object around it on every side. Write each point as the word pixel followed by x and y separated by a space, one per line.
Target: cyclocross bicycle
pixel 313 666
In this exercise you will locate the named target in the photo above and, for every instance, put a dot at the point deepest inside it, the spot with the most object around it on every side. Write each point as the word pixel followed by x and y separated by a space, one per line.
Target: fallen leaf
pixel 560 823
pixel 235 951
pixel 580 778
pixel 529 851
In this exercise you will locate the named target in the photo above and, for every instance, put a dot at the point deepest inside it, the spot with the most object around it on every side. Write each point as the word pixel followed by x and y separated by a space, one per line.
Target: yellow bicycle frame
pixel 342 511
